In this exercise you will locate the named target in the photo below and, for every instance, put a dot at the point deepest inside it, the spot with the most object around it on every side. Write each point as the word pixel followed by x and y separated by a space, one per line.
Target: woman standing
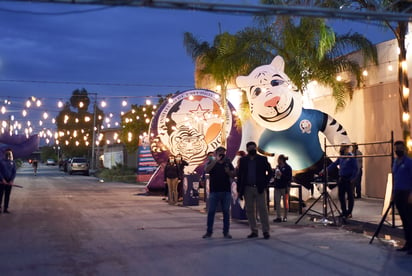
pixel 283 179
pixel 172 179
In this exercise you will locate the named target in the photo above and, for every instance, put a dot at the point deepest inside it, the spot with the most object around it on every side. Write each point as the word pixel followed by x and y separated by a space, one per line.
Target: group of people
pixel 253 175
pixel 173 177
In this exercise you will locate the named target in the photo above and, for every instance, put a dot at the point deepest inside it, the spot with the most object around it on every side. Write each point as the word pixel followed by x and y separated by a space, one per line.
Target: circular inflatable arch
pixel 190 123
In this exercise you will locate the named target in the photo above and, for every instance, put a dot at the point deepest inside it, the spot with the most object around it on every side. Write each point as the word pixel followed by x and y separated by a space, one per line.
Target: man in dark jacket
pixel 253 179
pixel 7 175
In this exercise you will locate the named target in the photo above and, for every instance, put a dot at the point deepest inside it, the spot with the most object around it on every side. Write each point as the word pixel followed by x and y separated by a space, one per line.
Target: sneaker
pixel 349 216
pixel 403 249
pixel 285 219
pixel 266 235
pixel 277 220
pixel 6 211
pixel 207 235
pixel 252 235
pixel 227 236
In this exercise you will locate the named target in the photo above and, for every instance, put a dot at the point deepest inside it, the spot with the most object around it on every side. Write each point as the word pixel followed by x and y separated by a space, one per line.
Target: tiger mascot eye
pixel 190 144
pixel 289 128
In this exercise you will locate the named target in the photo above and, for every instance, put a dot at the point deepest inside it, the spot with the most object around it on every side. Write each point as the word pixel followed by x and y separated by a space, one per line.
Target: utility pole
pixel 93 163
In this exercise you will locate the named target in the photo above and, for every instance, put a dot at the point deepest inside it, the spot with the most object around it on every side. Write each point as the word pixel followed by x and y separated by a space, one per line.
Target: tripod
pixel 391 206
pixel 327 201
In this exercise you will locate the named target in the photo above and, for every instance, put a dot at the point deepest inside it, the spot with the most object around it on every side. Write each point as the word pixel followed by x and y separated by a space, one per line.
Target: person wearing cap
pixel 253 177
pixel 402 192
pixel 348 169
pixel 7 175
pixel 221 171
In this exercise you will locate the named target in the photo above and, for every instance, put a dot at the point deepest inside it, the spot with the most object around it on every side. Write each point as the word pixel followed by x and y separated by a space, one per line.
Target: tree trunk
pixel 403 82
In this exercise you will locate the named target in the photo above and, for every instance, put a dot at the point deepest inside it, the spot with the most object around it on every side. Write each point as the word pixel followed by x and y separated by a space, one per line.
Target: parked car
pixel 78 165
pixel 50 162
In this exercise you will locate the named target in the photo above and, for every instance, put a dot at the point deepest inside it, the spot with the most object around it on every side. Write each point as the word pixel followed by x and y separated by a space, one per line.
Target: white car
pixel 78 164
pixel 50 162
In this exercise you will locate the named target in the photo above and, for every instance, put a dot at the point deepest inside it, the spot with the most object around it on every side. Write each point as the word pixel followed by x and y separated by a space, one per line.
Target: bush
pixel 118 173
pixel 18 162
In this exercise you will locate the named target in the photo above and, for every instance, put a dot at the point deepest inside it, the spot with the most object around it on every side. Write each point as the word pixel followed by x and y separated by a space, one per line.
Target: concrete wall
pixel 371 116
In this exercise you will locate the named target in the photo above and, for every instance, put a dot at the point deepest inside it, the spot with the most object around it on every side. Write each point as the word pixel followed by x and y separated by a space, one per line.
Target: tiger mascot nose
pixel 272 102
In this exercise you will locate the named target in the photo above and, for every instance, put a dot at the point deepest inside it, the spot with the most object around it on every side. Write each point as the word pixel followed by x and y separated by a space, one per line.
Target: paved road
pixel 74 225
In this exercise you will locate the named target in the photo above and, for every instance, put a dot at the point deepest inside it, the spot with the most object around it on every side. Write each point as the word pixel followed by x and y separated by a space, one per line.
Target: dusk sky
pixel 46 51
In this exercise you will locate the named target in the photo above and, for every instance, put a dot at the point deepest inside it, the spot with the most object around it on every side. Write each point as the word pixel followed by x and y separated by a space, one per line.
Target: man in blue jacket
pixel 402 191
pixel 7 175
pixel 348 169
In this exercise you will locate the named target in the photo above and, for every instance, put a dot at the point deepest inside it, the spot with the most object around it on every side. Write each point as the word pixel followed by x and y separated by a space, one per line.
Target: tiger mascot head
pixel 190 144
pixel 273 103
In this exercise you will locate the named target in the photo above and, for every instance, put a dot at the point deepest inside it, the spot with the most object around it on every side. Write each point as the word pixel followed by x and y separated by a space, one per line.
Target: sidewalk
pixel 367 216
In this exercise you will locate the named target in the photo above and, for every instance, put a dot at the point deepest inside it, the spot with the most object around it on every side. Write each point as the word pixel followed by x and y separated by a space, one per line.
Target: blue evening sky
pixel 115 52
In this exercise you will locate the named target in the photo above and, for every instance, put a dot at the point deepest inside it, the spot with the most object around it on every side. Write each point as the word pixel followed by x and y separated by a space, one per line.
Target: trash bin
pixel 237 206
pixel 191 189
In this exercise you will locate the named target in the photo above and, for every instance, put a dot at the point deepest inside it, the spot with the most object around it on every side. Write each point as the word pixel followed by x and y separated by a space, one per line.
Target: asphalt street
pixel 75 225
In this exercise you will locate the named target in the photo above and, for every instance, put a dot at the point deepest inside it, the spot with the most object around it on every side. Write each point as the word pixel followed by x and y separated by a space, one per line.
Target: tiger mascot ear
pixel 278 63
pixel 244 81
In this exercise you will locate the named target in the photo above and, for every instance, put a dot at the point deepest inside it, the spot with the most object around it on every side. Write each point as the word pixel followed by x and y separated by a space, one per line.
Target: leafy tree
pixel 400 30
pixel 136 121
pixel 314 52
pixel 48 152
pixel 228 57
pixel 75 124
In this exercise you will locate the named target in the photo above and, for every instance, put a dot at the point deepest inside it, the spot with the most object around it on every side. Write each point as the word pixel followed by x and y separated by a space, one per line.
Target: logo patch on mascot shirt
pixel 305 126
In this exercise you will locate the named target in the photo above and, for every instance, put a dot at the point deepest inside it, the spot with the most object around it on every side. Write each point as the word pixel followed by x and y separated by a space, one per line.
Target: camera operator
pixel 348 169
pixel 221 171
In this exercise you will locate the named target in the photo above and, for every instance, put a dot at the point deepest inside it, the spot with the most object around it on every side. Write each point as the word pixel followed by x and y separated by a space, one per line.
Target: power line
pixel 77 11
pixel 255 10
pixel 96 83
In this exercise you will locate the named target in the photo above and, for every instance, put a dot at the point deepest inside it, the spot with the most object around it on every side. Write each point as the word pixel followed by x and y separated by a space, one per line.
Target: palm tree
pixel 400 30
pixel 228 57
pixel 314 52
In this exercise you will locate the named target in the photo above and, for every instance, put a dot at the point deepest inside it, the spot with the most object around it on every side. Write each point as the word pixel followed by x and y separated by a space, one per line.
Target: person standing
pixel 220 171
pixel 358 180
pixel 35 163
pixel 402 192
pixel 181 164
pixel 253 179
pixel 172 179
pixel 283 180
pixel 7 175
pixel 348 168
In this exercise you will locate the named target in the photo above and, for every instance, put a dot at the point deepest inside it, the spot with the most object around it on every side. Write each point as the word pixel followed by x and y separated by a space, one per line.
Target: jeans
pixel 284 194
pixel 345 188
pixel 6 190
pixel 404 208
pixel 224 199
pixel 358 184
pixel 172 183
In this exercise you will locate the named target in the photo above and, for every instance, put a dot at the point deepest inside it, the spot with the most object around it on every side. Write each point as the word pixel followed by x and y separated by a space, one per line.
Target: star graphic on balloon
pixel 199 112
